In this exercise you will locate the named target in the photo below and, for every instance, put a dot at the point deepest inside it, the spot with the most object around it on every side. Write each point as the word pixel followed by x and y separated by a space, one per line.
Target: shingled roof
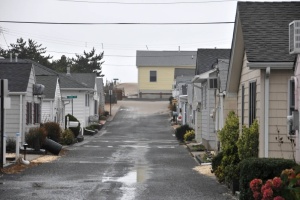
pixel 87 79
pixel 183 72
pixel 50 85
pixel 206 58
pixel 17 74
pixel 165 58
pixel 266 31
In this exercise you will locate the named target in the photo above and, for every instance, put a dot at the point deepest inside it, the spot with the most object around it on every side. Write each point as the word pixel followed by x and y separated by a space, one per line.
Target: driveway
pixel 135 156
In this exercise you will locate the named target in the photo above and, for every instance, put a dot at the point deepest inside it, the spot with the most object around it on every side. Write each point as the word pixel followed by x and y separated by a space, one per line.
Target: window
pixel 96 107
pixel 29 113
pixel 291 103
pixel 36 113
pixel 87 100
pixel 153 76
pixel 243 103
pixel 252 102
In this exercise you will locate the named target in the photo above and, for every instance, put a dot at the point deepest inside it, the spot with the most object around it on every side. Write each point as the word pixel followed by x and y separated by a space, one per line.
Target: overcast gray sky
pixel 119 42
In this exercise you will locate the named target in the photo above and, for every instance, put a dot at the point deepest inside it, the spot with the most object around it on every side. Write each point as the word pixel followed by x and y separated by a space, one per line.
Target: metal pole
pixel 110 93
pixel 2 122
pixel 72 106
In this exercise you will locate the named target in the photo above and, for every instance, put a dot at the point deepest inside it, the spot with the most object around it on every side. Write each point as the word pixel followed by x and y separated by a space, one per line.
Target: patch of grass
pixel 198 147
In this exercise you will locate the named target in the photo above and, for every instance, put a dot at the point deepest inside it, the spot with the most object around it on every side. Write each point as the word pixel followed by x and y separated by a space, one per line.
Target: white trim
pixel 267 93
pixel 273 65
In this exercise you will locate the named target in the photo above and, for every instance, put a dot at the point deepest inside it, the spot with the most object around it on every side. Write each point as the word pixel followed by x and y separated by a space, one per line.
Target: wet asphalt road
pixel 133 157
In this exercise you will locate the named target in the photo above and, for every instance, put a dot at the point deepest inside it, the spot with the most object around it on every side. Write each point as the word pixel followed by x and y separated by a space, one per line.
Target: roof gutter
pixel 17 93
pixel 81 89
pixel 273 65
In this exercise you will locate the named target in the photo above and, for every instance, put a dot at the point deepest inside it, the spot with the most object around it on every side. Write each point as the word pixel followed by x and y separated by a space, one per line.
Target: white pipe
pixel 52 111
pixel 221 112
pixel 17 145
pixel 21 114
pixel 267 93
pixel 4 149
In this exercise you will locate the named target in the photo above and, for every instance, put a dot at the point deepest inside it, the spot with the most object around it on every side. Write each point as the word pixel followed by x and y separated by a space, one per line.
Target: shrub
pixel 75 130
pixel 94 126
pixel 248 142
pixel 261 168
pixel 35 137
pixel 67 137
pixel 180 131
pixel 216 161
pixel 189 135
pixel 10 145
pixel 228 137
pixel 102 117
pixel 53 131
pixel 106 113
pixel 284 187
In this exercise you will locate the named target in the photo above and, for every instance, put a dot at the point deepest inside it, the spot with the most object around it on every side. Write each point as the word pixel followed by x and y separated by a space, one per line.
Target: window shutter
pixel 27 113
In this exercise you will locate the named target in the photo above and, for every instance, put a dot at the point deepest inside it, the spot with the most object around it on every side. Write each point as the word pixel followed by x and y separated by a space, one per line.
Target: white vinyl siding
pixel 79 108
pixel 12 117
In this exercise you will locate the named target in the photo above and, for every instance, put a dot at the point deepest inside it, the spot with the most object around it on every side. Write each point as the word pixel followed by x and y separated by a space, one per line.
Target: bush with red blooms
pixel 285 187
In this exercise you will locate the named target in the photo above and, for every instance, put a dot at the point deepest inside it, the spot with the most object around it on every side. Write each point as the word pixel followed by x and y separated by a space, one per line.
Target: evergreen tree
pixel 28 50
pixel 61 64
pixel 88 62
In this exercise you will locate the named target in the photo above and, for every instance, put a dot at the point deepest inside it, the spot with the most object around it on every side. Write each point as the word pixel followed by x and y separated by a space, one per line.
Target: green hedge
pixel 216 161
pixel 180 132
pixel 263 168
pixel 75 130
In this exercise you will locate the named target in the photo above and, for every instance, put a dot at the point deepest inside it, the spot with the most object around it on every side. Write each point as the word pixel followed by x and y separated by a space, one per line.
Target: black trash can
pixel 52 146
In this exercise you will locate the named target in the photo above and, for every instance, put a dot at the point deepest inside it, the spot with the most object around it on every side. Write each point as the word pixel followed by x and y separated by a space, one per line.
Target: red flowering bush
pixel 285 187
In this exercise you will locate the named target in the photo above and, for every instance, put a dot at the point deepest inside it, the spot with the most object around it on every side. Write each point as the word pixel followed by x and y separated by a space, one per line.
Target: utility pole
pixel 2 121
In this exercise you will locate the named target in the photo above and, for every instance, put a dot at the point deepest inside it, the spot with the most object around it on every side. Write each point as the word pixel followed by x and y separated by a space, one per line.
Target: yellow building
pixel 156 71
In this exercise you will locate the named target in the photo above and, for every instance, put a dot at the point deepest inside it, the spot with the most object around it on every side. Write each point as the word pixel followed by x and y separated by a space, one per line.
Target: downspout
pixel 21 117
pixel 267 93
pixel 52 111
pixel 221 111
pixel 297 153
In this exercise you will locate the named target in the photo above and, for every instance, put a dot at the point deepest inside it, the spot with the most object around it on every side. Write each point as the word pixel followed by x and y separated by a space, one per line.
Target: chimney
pixel 16 57
pixel 68 71
pixel 10 56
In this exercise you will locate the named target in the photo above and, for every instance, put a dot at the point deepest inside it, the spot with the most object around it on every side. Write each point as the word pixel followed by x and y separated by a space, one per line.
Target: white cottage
pixel 204 102
pixel 25 110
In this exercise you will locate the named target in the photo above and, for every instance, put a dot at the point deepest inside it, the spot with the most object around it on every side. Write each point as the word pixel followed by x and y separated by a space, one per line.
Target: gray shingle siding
pixel 266 31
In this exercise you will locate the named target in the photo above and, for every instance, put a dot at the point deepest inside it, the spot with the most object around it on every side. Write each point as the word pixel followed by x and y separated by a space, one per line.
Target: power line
pixel 148 3
pixel 1 31
pixel 117 23
pixel 109 46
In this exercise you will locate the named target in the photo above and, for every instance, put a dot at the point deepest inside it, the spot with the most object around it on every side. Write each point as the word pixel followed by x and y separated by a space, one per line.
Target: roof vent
pixel 294 37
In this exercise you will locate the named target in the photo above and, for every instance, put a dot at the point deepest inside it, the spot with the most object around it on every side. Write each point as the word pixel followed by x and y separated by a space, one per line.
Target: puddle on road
pixel 138 175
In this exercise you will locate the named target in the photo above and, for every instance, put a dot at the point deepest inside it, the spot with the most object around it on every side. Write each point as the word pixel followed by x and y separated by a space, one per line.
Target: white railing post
pixel 18 137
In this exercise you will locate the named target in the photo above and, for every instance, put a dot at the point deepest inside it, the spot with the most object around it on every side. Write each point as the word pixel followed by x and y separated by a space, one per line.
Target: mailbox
pixel 73 124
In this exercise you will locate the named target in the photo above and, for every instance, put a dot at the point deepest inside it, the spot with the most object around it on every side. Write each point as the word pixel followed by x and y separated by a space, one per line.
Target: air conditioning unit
pixel 294 37
pixel 213 83
pixel 38 89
